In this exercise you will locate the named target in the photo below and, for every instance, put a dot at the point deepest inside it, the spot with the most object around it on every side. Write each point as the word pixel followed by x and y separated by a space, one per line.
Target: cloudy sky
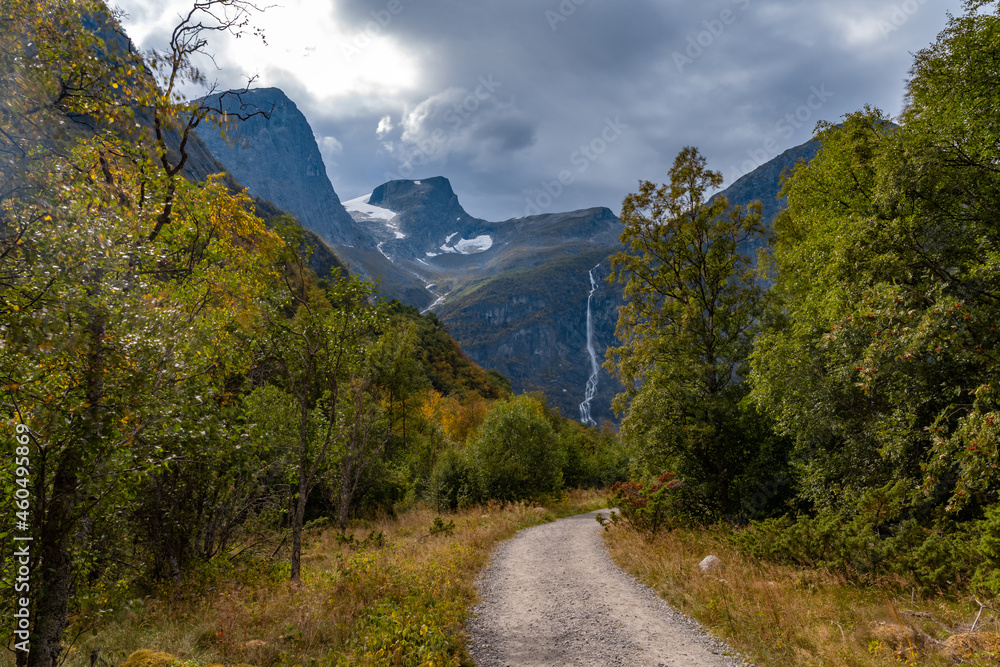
pixel 562 104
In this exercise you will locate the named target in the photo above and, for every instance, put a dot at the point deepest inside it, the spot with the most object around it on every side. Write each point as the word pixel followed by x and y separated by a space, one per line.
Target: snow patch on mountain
pixel 472 246
pixel 361 205
pixel 466 246
pixel 362 211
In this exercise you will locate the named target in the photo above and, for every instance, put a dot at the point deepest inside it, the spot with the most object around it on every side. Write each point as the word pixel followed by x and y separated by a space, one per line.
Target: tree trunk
pixel 346 496
pixel 52 608
pixel 55 538
pixel 297 520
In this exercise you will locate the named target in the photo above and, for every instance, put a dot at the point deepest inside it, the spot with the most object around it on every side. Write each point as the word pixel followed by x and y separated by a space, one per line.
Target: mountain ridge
pixel 512 292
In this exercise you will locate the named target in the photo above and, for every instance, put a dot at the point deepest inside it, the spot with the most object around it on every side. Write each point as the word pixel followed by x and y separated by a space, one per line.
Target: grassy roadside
pixel 778 615
pixel 399 599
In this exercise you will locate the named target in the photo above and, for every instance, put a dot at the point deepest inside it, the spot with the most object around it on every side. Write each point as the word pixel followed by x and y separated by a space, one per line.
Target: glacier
pixel 474 246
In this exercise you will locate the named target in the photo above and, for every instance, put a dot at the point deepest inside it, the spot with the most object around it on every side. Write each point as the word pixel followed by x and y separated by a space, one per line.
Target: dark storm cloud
pixel 741 79
pixel 506 134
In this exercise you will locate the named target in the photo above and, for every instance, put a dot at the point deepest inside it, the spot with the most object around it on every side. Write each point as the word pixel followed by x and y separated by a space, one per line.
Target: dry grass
pixel 778 615
pixel 402 602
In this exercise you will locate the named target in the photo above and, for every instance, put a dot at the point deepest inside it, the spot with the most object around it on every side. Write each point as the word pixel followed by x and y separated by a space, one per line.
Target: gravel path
pixel 552 596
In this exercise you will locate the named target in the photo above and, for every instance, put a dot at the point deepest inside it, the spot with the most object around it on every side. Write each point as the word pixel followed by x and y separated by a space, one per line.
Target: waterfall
pixel 591 389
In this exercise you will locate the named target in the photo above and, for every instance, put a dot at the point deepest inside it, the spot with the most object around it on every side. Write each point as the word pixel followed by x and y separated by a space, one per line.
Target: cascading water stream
pixel 591 389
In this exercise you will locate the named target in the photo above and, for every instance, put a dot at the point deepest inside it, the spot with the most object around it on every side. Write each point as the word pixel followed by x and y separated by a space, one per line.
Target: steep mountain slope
pixel 200 162
pixel 763 184
pixel 276 156
pixel 531 325
pixel 421 225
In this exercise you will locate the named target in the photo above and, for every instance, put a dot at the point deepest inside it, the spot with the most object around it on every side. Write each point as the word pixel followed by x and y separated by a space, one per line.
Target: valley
pixel 527 297
pixel 270 403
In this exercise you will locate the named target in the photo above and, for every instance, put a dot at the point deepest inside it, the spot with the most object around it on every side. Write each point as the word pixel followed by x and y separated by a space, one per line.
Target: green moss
pixel 149 658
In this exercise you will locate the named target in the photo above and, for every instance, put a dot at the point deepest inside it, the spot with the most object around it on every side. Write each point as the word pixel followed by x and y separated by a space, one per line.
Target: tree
pixel 100 351
pixel 808 368
pixel 692 305
pixel 515 453
pixel 317 341
pixel 105 324
pixel 378 386
pixel 883 367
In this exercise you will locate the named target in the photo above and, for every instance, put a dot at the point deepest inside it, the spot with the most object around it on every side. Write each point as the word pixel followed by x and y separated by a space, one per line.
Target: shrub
pixel 514 454
pixel 591 458
pixel 451 485
pixel 649 507
pixel 988 575
pixel 439 526
pixel 874 538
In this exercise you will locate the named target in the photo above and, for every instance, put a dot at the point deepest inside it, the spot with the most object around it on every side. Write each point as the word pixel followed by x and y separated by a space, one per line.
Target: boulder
pixel 710 564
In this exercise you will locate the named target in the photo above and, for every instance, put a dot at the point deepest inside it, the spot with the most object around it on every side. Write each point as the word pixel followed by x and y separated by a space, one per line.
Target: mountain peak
pixel 293 174
pixel 436 189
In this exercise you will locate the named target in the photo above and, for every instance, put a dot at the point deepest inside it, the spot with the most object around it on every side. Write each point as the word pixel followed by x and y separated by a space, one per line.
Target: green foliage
pixel 515 454
pixel 166 349
pixel 880 534
pixel 442 362
pixel 988 575
pixel 693 303
pixel 185 378
pixel 125 291
pixel 451 485
pixel 439 526
pixel 647 508
pixel 882 363
pixel 371 541
pixel 413 615
pixel 322 259
pixel 592 458
pixel 391 630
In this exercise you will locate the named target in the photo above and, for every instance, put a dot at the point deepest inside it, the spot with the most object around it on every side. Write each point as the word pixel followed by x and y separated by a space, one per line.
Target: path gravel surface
pixel 552 596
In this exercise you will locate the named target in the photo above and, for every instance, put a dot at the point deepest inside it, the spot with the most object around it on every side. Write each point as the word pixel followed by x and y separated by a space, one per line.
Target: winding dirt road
pixel 552 596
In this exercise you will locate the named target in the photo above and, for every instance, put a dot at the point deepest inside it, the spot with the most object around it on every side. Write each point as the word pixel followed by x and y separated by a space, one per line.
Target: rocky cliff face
pixel 763 184
pixel 531 326
pixel 276 156
pixel 512 293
